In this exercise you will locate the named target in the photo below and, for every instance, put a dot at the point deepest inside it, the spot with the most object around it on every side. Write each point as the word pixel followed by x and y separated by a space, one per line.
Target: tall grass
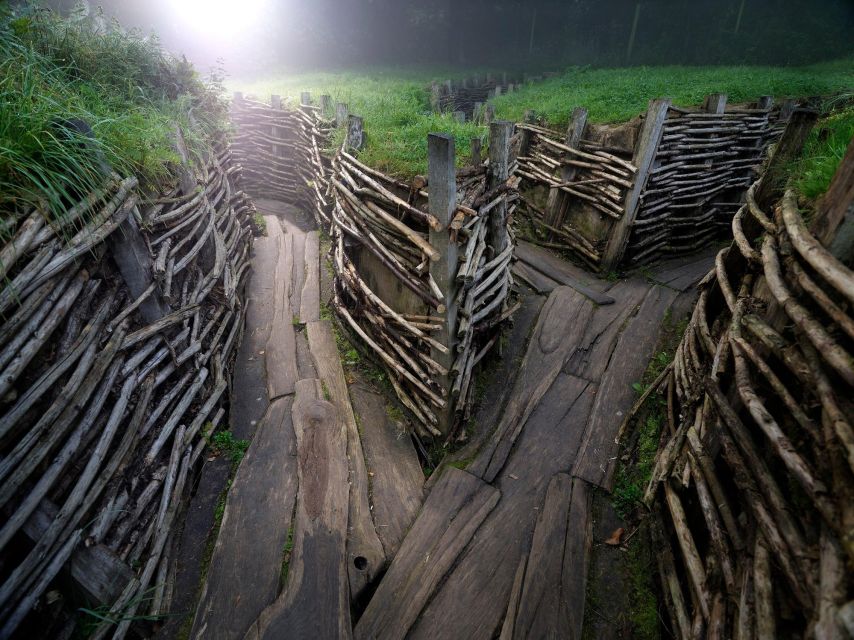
pixel 54 72
pixel 823 152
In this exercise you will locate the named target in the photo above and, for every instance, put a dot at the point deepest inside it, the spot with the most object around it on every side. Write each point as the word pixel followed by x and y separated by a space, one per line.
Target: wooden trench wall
pixel 120 315
pixel 751 493
pixel 664 184
pixel 421 269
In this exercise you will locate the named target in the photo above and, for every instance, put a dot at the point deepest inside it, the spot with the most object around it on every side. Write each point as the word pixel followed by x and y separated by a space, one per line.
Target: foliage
pixel 396 111
pixel 56 73
pixel 224 443
pixel 823 152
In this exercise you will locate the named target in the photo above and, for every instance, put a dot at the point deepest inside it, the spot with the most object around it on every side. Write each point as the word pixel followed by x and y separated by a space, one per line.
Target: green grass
pixel 616 95
pixel 54 71
pixel 823 152
pixel 395 103
pixel 224 443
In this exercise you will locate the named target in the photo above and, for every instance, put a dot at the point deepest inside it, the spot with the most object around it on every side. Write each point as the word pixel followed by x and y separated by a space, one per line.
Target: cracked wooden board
pixel 366 558
pixel 454 510
pixel 243 577
pixel 281 348
pixel 397 482
pixel 315 600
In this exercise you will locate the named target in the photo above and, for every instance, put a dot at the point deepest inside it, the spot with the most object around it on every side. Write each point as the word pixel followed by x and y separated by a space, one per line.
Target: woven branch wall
pixel 683 197
pixel 752 486
pixel 107 396
pixel 381 254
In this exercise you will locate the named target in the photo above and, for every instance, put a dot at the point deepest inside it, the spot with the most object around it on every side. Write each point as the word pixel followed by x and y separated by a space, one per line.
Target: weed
pixel 260 223
pixel 224 443
pixel 326 394
pixel 286 557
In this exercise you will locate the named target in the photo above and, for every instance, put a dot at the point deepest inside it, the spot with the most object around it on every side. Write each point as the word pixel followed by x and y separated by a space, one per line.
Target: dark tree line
pixel 518 33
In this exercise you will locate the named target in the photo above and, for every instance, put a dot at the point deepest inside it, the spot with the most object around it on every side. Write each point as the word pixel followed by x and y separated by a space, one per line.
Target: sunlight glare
pixel 218 17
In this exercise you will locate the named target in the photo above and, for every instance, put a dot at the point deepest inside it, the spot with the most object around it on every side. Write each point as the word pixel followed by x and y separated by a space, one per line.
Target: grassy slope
pixel 397 116
pixel 124 87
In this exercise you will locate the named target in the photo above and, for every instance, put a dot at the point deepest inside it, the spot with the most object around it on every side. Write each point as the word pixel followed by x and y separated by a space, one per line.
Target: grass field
pixel 397 114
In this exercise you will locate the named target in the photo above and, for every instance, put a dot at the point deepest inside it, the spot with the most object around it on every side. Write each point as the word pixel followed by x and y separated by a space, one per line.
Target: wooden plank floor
pixel 498 548
pixel 522 573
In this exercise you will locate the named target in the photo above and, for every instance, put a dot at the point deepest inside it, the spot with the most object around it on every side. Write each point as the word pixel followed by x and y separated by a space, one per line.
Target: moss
pixel 326 394
pixel 286 557
pixel 643 607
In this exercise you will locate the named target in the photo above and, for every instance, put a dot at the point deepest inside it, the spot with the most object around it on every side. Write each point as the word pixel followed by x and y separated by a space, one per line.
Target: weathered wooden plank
pixel 513 606
pixel 97 571
pixel 249 398
pixel 280 357
pixel 397 482
pixel 443 203
pixel 538 281
pixel 643 158
pixel 243 577
pixel 561 325
pixel 553 593
pixel 309 308
pixel 563 272
pixel 315 602
pixel 593 353
pixel 473 598
pixel 684 272
pixel 635 347
pixel 365 555
pixel 456 507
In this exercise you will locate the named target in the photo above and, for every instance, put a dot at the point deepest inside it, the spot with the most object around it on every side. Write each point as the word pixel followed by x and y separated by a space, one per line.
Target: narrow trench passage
pixel 323 531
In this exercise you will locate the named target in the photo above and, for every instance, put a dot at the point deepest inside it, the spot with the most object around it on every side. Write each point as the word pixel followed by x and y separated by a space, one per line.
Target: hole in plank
pixel 360 562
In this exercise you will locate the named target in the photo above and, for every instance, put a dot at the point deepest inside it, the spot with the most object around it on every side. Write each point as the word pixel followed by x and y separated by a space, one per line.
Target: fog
pixel 252 36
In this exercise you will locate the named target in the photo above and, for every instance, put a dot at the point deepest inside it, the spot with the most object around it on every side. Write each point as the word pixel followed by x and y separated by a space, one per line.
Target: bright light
pixel 218 17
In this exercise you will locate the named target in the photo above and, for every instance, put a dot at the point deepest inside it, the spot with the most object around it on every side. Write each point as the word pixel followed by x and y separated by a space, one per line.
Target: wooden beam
pixel 558 198
pixel 643 159
pixel 442 184
pixel 499 153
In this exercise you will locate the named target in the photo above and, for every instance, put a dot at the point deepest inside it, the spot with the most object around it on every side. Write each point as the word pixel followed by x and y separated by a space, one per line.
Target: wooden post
pixel 276 103
pixel 488 113
pixel 715 103
pixel 477 113
pixel 764 102
pixel 558 199
pixel 442 183
pixel 643 158
pixel 341 113
pixel 435 97
pixel 787 107
pixel 325 105
pixel 497 90
pixel 460 116
pixel 355 133
pixel 833 223
pixel 499 152
pixel 530 117
pixel 476 158
pixel 305 98
pixel 791 143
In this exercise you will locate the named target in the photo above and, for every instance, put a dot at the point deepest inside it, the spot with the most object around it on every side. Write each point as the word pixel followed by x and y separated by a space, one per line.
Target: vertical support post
pixel 558 200
pixel 341 113
pixel 276 103
pixel 500 131
pixel 764 102
pixel 442 181
pixel 787 107
pixel 325 105
pixel 477 113
pixel 525 138
pixel 488 113
pixel 476 152
pixel 355 133
pixel 305 98
pixel 643 158
pixel 460 116
pixel 715 103
pixel 497 90
pixel 435 97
